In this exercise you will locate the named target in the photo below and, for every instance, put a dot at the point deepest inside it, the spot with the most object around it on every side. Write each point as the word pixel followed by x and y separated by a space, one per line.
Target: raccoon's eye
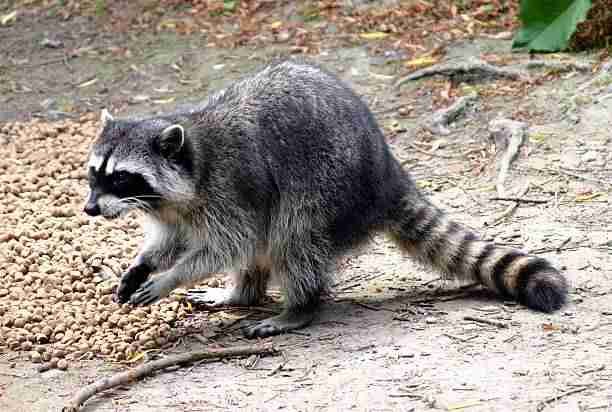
pixel 121 179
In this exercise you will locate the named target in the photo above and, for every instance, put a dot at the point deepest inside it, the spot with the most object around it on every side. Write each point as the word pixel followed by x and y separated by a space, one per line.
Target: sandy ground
pixel 394 337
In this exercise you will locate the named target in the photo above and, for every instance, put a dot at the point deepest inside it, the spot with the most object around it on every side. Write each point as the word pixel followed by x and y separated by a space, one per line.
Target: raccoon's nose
pixel 92 209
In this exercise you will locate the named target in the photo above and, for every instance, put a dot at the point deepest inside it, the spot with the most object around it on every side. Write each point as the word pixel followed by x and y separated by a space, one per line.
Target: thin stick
pixel 471 67
pixel 581 177
pixel 460 339
pixel 554 398
pixel 440 298
pixel 442 118
pixel 486 321
pixel 370 307
pixel 509 136
pixel 148 368
pixel 418 149
pixel 558 66
pixel 510 209
pixel 519 200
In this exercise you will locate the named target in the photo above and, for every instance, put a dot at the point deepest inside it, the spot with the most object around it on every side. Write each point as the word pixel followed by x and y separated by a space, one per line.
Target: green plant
pixel 101 8
pixel 548 25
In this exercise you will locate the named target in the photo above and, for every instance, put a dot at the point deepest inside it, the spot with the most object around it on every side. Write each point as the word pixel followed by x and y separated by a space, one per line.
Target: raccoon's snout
pixel 92 208
pixel 103 205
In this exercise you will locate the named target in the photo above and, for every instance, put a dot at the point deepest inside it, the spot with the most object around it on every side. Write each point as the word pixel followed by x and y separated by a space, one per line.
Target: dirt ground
pixel 393 337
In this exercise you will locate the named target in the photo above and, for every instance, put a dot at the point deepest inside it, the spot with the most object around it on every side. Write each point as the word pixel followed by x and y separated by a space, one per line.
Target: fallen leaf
pixel 8 18
pixel 437 144
pixel 167 24
pixel 586 198
pixel 230 316
pixel 229 5
pixel 374 35
pixel 140 355
pixel 421 62
pixel 537 137
pixel 140 98
pixel 88 82
pixel 164 101
pixel 549 327
pixel 463 405
pixel 276 25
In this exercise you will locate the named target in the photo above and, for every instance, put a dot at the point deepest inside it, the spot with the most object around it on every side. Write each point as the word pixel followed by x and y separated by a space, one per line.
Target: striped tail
pixel 427 234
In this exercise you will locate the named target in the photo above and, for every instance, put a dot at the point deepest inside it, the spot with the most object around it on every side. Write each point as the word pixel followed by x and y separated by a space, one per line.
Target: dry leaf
pixel 374 35
pixel 421 62
pixel 537 137
pixel 138 356
pixel 167 24
pixel 8 18
pixel 586 198
pixel 88 82
pixel 549 327
pixel 276 25
pixel 437 144
pixel 164 101
pixel 230 316
pixel 463 405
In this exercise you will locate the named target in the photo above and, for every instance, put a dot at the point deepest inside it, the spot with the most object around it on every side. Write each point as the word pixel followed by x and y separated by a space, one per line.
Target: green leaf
pixel 229 5
pixel 548 25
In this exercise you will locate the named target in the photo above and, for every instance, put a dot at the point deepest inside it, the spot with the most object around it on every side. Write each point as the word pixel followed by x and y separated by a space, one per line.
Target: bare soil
pixel 393 337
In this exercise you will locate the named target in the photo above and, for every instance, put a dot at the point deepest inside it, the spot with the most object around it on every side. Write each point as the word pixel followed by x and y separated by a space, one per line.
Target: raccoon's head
pixel 138 165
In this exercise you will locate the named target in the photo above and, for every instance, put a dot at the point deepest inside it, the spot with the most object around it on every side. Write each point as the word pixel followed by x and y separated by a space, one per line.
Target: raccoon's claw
pixel 276 325
pixel 150 292
pixel 130 282
pixel 125 289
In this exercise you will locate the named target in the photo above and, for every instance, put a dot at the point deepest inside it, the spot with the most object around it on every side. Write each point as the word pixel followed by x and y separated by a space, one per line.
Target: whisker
pixel 133 201
pixel 147 197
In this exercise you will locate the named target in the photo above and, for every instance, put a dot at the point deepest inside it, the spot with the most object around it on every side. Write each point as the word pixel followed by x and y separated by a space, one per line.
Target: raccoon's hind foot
pixel 131 281
pixel 285 322
pixel 213 297
pixel 249 290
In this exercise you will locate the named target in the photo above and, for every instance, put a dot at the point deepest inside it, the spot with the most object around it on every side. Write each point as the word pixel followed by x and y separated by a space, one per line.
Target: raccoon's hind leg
pixel 426 233
pixel 301 269
pixel 249 289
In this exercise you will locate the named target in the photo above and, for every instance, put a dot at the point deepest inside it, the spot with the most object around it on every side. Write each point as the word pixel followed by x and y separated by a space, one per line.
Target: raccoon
pixel 275 178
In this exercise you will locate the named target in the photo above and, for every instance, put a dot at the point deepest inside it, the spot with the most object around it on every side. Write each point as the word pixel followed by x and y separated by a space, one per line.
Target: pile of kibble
pixel 59 267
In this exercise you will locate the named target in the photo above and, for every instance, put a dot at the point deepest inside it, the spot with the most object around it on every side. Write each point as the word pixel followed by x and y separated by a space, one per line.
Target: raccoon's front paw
pixel 130 282
pixel 127 286
pixel 150 292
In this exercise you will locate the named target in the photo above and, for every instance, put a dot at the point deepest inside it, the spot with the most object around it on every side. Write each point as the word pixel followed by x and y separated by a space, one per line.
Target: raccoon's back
pixel 301 132
pixel 298 103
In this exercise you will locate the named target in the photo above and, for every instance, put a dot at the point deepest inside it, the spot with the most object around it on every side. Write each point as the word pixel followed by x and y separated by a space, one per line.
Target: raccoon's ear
pixel 171 140
pixel 105 117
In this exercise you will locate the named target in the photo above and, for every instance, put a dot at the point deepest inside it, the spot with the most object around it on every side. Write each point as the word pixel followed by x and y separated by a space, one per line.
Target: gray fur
pixel 277 177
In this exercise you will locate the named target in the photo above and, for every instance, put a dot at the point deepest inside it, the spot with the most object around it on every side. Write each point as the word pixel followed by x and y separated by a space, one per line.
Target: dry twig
pixel 519 200
pixel 418 149
pixel 581 177
pixel 510 209
pixel 486 321
pixel 554 398
pixel 148 368
pixel 439 121
pixel 559 66
pixel 509 136
pixel 474 68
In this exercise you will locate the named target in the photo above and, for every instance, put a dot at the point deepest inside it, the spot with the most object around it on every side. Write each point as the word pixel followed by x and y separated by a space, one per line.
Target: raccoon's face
pixel 137 165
